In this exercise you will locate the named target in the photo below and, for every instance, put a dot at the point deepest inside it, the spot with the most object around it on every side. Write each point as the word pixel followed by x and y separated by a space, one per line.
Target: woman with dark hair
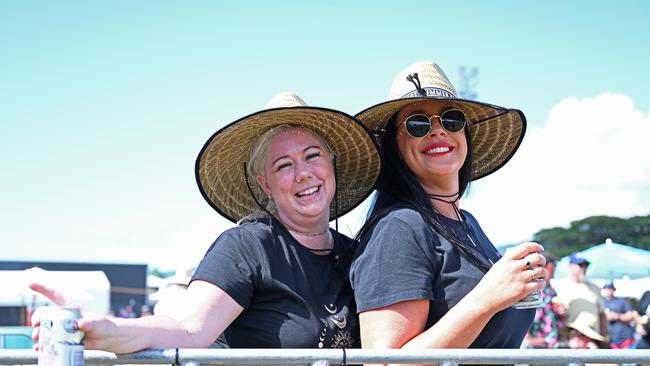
pixel 425 275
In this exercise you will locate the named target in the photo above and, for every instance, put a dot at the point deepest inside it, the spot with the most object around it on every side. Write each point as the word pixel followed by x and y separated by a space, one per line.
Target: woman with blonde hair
pixel 278 279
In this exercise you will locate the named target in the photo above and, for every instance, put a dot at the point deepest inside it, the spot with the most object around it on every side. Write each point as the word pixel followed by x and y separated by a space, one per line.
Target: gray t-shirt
pixel 405 259
pixel 292 297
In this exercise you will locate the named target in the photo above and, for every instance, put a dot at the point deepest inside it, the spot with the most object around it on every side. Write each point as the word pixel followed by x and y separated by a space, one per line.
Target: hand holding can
pixel 511 278
pixel 60 340
pixel 533 299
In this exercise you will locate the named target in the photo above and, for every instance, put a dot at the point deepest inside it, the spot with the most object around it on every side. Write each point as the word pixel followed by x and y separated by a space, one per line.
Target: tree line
pixel 584 233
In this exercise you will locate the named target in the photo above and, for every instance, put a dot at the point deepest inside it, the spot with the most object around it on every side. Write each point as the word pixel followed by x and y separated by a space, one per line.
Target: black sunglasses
pixel 419 125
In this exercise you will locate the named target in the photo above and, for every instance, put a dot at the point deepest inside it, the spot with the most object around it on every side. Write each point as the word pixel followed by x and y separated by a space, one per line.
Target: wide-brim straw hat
pixel 220 169
pixel 496 132
pixel 586 323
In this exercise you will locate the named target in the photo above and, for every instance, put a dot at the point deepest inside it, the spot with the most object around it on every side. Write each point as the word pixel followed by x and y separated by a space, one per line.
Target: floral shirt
pixel 547 323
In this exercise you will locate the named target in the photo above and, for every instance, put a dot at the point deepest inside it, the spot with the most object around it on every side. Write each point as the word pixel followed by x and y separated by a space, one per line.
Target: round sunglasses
pixel 419 125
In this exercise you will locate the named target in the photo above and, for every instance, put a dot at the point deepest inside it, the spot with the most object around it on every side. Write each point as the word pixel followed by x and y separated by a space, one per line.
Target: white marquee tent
pixel 88 289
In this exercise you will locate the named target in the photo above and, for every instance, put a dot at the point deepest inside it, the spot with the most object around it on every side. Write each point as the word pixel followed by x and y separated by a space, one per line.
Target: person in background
pixel 579 295
pixel 545 330
pixel 620 316
pixel 583 333
pixel 278 279
pixel 642 323
pixel 425 274
pixel 168 296
pixel 128 311
pixel 145 310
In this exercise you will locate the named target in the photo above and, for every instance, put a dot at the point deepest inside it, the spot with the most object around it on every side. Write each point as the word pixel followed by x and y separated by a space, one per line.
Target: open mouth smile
pixel 308 191
pixel 437 149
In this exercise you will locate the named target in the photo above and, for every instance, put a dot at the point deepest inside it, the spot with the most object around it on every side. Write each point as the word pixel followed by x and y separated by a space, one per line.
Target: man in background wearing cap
pixel 579 295
pixel 619 314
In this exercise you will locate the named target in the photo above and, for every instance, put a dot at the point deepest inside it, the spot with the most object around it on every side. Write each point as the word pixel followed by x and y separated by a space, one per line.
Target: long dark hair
pixel 399 187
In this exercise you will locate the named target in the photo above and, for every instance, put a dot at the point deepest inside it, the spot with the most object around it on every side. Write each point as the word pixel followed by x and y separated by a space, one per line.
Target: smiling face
pixel 436 158
pixel 299 177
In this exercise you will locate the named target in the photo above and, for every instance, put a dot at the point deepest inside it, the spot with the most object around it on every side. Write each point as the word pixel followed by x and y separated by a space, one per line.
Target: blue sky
pixel 104 106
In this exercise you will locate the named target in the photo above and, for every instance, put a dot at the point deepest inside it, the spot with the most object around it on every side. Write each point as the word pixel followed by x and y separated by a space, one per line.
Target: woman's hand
pixel 55 296
pixel 519 273
pixel 96 328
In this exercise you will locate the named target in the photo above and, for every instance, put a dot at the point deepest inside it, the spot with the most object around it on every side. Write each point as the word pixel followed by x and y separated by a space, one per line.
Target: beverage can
pixel 532 300
pixel 60 340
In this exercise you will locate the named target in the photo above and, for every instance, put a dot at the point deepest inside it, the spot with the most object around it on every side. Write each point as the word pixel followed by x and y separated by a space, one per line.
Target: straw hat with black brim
pixel 496 132
pixel 220 171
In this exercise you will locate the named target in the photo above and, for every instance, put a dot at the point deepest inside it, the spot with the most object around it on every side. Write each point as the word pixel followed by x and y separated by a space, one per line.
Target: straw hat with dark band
pixel 220 170
pixel 496 132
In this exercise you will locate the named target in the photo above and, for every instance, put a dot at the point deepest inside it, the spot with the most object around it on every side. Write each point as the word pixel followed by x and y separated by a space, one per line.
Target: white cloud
pixel 592 157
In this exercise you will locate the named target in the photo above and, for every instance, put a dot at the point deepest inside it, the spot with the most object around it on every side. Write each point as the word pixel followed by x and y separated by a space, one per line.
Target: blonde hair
pixel 257 159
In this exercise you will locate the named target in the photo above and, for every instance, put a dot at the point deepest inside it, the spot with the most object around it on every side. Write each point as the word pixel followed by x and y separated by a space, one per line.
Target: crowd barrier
pixel 326 357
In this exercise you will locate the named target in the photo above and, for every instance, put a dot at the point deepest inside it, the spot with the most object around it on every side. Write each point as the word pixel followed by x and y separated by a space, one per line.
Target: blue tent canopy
pixel 611 260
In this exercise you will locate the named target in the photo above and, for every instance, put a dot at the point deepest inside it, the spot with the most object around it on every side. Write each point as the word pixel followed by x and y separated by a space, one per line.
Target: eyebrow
pixel 303 150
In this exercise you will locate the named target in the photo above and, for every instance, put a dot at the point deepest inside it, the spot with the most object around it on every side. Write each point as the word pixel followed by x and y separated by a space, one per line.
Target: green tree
pixel 582 234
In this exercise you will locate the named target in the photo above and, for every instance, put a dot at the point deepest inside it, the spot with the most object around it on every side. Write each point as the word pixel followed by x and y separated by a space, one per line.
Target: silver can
pixel 532 300
pixel 60 340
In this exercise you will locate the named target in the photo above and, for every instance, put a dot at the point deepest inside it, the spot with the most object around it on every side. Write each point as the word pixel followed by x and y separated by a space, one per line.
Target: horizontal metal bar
pixel 499 356
pixel 353 356
pixel 29 357
pixel 261 356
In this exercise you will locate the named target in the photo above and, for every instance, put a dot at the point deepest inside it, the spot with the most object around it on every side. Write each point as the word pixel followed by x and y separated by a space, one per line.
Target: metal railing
pixel 325 357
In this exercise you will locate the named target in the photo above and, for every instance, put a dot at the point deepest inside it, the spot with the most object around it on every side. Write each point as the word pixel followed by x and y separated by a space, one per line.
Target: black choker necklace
pixel 445 198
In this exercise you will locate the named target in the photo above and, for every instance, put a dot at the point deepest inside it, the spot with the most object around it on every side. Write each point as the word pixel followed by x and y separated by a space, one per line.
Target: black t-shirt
pixel 643 308
pixel 405 259
pixel 292 297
